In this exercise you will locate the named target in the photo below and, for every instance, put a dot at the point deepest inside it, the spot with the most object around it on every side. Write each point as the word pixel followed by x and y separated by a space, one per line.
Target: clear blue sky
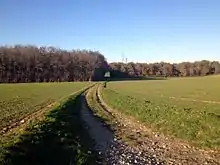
pixel 144 30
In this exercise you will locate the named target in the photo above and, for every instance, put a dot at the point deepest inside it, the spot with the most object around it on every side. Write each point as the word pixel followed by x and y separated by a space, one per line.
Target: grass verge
pixel 97 109
pixel 110 119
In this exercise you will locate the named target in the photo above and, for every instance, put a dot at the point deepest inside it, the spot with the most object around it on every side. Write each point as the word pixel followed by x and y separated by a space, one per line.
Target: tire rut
pixel 110 149
pixel 24 120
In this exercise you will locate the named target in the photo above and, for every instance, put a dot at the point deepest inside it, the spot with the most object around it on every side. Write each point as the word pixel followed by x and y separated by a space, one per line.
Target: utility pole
pixel 122 57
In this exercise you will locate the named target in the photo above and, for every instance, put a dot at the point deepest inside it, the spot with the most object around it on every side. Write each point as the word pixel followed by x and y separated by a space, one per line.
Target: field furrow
pixel 18 101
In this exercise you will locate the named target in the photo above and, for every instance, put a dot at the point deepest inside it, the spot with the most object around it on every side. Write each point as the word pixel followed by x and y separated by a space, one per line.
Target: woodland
pixel 21 64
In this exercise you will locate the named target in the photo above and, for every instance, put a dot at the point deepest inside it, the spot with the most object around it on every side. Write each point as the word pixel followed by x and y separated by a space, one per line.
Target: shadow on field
pixel 59 140
pixel 117 75
pixel 137 78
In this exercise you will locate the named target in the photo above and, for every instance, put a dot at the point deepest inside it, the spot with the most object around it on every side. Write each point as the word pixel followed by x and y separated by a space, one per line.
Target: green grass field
pixel 20 100
pixel 187 108
pixel 55 137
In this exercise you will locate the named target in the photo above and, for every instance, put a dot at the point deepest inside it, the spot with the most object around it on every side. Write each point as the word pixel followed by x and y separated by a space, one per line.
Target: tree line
pixel 198 68
pixel 29 63
pixel 49 64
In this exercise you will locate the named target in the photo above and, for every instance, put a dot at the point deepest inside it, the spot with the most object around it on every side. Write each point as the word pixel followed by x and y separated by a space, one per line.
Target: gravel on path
pixel 111 150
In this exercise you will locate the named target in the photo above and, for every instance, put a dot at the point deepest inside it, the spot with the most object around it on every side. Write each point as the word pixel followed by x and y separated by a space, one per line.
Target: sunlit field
pixel 187 108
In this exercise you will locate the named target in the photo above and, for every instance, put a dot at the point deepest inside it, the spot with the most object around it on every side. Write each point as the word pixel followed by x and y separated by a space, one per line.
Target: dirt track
pixel 148 147
pixel 109 148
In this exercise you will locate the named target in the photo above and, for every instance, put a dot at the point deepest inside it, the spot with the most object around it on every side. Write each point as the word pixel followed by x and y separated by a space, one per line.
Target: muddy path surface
pixel 110 149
